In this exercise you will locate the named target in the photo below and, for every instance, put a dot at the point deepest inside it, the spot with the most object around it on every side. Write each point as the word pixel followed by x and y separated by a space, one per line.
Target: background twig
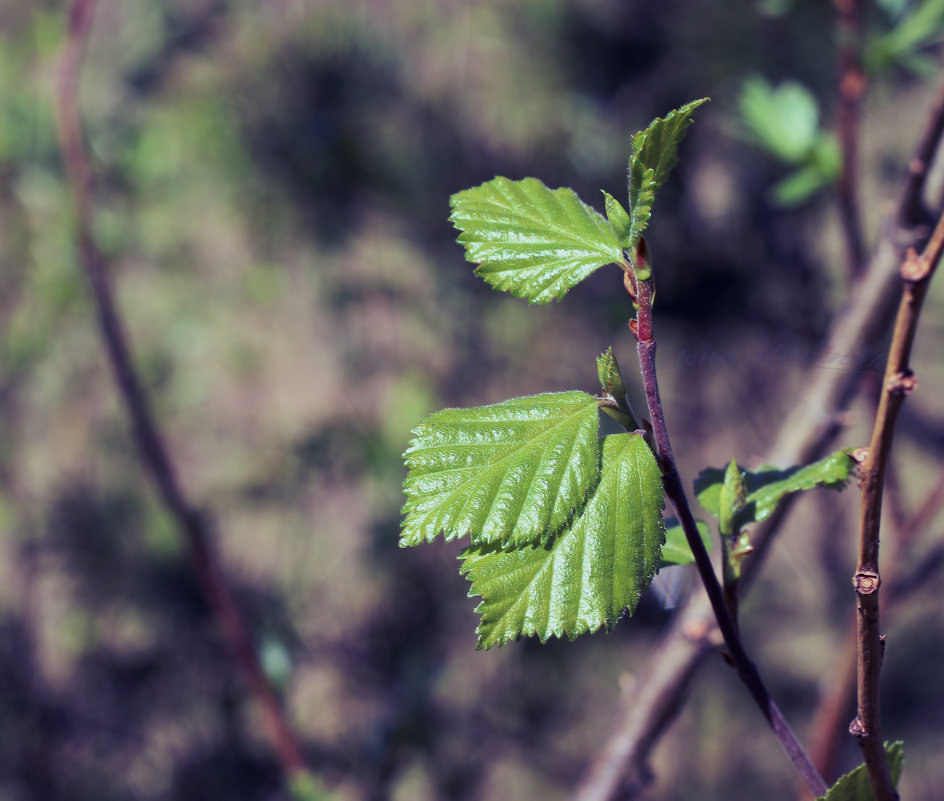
pixel 851 89
pixel 150 443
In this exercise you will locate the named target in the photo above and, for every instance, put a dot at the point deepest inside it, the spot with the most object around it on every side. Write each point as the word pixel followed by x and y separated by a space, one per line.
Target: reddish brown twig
pixel 150 443
pixel 898 383
pixel 675 491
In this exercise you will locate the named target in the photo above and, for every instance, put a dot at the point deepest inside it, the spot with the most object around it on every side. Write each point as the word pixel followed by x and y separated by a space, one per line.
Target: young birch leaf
pixel 854 786
pixel 617 218
pixel 654 154
pixel 529 240
pixel 676 550
pixel 586 575
pixel 767 486
pixel 510 473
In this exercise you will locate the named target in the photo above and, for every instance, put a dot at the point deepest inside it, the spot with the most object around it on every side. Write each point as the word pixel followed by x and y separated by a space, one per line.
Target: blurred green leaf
pixel 798 187
pixel 654 154
pixel 854 786
pixel 917 29
pixel 676 550
pixel 586 575
pixel 767 486
pixel 529 240
pixel 510 473
pixel 783 121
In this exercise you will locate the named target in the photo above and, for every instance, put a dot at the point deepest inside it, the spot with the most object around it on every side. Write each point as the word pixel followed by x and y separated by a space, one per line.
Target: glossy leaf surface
pixel 767 486
pixel 854 786
pixel 510 473
pixel 654 154
pixel 529 240
pixel 586 575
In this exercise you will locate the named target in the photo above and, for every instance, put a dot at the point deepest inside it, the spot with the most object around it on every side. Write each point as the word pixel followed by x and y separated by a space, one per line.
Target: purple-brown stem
pixel 675 491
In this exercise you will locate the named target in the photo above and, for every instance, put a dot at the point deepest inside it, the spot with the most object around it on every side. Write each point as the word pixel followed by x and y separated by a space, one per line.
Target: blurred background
pixel 273 181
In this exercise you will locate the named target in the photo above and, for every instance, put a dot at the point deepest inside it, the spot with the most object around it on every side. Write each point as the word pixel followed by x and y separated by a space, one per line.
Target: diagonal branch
pixel 805 434
pixel 150 443
pixel 899 381
pixel 674 489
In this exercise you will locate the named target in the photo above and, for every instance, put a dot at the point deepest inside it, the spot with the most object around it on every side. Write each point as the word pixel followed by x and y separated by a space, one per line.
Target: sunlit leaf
pixel 512 472
pixel 585 576
pixel 854 786
pixel 654 154
pixel 767 486
pixel 529 240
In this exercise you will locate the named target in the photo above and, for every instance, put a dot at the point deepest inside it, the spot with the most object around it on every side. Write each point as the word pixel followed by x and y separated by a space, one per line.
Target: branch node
pixel 914 267
pixel 866 582
pixel 901 384
pixel 856 729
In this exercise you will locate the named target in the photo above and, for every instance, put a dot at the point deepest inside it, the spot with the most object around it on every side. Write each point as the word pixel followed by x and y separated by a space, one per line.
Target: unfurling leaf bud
pixel 611 379
pixel 733 493
pixel 618 219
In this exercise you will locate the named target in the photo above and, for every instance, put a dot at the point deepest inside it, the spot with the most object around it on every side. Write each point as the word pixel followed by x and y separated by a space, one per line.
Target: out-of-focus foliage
pixel 913 28
pixel 785 122
pixel 272 183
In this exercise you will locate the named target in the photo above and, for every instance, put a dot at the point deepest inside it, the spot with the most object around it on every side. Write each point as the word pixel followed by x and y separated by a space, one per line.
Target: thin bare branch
pixel 150 443
pixel 851 89
pixel 917 272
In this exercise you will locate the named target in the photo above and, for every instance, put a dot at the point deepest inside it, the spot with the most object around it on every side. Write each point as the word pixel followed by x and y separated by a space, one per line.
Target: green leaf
pixel 676 550
pixel 585 576
pixel 618 219
pixel 512 472
pixel 654 154
pixel 768 485
pixel 529 240
pixel 783 121
pixel 854 786
pixel 799 186
pixel 916 30
pixel 611 378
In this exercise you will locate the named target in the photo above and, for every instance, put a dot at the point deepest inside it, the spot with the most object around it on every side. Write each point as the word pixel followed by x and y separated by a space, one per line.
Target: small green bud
pixel 618 219
pixel 611 379
pixel 733 493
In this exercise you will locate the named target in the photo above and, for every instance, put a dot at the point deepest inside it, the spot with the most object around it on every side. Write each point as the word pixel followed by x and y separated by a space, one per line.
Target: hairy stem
pixel 150 443
pixel 898 383
pixel 675 491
